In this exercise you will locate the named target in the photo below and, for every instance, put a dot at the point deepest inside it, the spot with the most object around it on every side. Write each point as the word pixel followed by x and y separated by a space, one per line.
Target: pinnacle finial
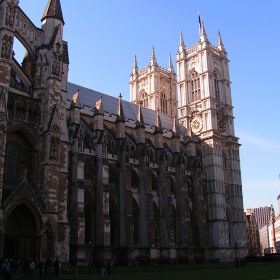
pixel 203 35
pixel 174 126
pixel 120 114
pixel 170 65
pixel 53 10
pixel 135 62
pixel 158 126
pixel 182 39
pixel 220 42
pixel 140 119
pixel 153 57
pixel 76 99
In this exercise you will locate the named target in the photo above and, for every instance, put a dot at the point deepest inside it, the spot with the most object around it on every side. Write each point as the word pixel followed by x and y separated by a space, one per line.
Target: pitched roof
pixel 89 97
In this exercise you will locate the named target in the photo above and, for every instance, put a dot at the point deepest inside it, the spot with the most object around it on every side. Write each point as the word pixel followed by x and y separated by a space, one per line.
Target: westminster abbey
pixel 156 179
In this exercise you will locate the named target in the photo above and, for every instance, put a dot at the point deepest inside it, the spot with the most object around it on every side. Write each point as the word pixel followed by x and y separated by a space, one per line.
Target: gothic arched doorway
pixel 20 238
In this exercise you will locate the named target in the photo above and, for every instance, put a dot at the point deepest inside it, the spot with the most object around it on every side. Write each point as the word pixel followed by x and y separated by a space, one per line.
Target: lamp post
pixel 89 268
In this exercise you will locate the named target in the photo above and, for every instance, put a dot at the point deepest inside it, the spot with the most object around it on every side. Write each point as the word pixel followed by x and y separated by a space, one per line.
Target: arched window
pixel 145 99
pixel 157 224
pixel 134 180
pixel 135 213
pixel 216 86
pixel 154 183
pixel 195 83
pixel 11 165
pixel 113 221
pixel 163 103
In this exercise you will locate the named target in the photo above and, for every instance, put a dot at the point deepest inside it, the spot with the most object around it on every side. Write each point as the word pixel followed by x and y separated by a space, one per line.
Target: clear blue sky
pixel 104 36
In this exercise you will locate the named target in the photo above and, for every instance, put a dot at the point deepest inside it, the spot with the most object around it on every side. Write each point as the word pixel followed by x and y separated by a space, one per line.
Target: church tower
pixel 205 108
pixel 34 142
pixel 154 86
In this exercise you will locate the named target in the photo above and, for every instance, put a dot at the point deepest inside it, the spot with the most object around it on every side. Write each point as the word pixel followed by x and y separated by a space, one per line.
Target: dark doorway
pixel 20 241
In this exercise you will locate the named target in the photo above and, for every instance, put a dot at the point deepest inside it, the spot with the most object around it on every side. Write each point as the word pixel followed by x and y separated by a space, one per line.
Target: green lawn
pixel 253 271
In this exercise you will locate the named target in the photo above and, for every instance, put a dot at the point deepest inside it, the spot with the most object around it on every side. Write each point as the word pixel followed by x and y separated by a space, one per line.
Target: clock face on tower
pixel 196 124
pixel 221 122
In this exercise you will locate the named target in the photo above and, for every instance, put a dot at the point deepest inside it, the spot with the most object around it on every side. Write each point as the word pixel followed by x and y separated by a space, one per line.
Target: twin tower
pixel 200 96
pixel 76 174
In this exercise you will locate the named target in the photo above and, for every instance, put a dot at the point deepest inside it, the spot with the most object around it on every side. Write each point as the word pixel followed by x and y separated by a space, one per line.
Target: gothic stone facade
pixel 80 168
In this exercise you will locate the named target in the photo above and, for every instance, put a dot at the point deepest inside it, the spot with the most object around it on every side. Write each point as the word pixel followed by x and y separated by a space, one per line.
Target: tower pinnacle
pixel 153 61
pixel 182 40
pixel 170 65
pixel 203 35
pixel 53 10
pixel 220 42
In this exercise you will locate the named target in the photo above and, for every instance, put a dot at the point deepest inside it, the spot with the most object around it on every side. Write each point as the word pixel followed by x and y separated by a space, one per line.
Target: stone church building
pixel 156 179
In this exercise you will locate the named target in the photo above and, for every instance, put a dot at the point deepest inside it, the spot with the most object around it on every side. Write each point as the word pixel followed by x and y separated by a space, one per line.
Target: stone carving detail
pixel 7 42
pixel 57 58
pixel 54 148
pixel 10 13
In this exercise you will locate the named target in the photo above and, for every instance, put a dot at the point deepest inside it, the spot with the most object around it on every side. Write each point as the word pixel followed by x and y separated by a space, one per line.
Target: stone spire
pixel 99 107
pixel 120 114
pixel 53 10
pixel 181 49
pixel 220 42
pixel 182 40
pixel 174 126
pixel 140 119
pixel 153 61
pixel 76 100
pixel 135 66
pixel 135 62
pixel 203 35
pixel 170 65
pixel 158 126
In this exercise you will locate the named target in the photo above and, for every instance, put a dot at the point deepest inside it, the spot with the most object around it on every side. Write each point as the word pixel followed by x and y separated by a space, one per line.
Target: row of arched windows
pixel 195 86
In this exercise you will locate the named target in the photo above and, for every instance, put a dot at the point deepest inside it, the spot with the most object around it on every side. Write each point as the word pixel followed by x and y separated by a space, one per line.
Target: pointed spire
pixel 99 107
pixel 203 35
pixel 76 100
pixel 182 40
pixel 53 10
pixel 140 119
pixel 135 62
pixel 120 114
pixel 220 42
pixel 135 67
pixel 158 126
pixel 174 126
pixel 153 61
pixel 170 65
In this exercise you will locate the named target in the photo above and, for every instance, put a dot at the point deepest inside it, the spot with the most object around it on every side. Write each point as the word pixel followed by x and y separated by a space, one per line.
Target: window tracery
pixel 216 86
pixel 163 103
pixel 195 86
